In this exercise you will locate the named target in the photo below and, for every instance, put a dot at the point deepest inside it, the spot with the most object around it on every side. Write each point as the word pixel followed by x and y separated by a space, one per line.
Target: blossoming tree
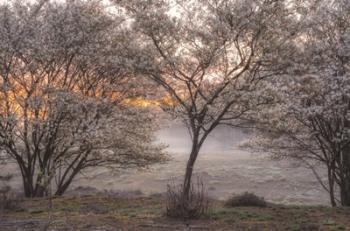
pixel 310 118
pixel 62 85
pixel 211 57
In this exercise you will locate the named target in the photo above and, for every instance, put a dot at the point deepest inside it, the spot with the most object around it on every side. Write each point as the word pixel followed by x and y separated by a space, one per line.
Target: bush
pixel 178 207
pixel 246 199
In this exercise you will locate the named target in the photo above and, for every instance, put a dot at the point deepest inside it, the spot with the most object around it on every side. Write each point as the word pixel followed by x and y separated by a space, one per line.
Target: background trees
pixel 63 82
pixel 211 58
pixel 310 118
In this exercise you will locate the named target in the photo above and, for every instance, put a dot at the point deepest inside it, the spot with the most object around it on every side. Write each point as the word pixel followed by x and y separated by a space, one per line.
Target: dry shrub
pixel 179 207
pixel 246 199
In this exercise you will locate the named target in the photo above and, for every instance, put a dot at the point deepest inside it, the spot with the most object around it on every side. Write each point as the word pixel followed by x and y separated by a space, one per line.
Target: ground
pixel 147 213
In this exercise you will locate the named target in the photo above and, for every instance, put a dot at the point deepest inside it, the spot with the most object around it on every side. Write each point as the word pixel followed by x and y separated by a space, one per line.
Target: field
pixel 224 168
pixel 133 200
pixel 147 213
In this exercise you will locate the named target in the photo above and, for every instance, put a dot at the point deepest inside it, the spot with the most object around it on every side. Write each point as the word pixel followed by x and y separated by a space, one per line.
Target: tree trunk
pixel 27 181
pixel 189 168
pixel 345 192
pixel 345 178
pixel 331 187
pixel 64 184
pixel 188 174
pixel 63 188
pixel 40 191
pixel 30 190
pixel 27 187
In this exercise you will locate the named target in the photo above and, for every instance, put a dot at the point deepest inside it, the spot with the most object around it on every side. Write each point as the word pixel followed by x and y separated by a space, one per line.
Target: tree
pixel 310 119
pixel 63 82
pixel 210 57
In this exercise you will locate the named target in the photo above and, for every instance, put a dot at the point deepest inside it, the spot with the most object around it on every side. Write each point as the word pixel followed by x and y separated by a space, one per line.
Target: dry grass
pixel 178 207
pixel 147 213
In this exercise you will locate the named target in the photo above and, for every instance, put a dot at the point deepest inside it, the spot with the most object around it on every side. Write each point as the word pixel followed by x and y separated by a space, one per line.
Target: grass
pixel 147 213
